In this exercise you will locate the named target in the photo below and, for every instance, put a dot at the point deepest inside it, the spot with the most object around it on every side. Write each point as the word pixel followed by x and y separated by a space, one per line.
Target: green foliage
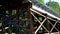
pixel 39 18
pixel 41 1
pixel 13 12
pixel 22 31
pixel 54 5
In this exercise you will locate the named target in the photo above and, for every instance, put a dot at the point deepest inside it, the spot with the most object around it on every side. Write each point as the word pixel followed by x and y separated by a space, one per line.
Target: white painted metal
pixel 43 11
pixel 38 10
pixel 40 23
pixel 40 26
pixel 53 26
pixel 41 14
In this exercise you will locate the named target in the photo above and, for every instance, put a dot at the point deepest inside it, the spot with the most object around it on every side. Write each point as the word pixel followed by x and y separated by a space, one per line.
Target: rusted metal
pixel 31 23
pixel 10 29
pixel 31 20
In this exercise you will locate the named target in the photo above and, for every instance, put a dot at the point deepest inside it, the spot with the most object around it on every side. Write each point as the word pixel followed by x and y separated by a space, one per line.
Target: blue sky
pixel 52 0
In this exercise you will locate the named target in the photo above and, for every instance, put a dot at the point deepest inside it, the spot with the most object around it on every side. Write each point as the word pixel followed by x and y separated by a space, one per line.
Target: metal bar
pixel 36 12
pixel 52 25
pixel 17 18
pixel 48 26
pixel 41 14
pixel 31 23
pixel 40 23
pixel 10 29
pixel 39 26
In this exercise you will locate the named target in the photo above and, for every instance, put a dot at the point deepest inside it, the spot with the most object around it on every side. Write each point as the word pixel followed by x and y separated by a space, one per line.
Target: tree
pixel 41 1
pixel 53 5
